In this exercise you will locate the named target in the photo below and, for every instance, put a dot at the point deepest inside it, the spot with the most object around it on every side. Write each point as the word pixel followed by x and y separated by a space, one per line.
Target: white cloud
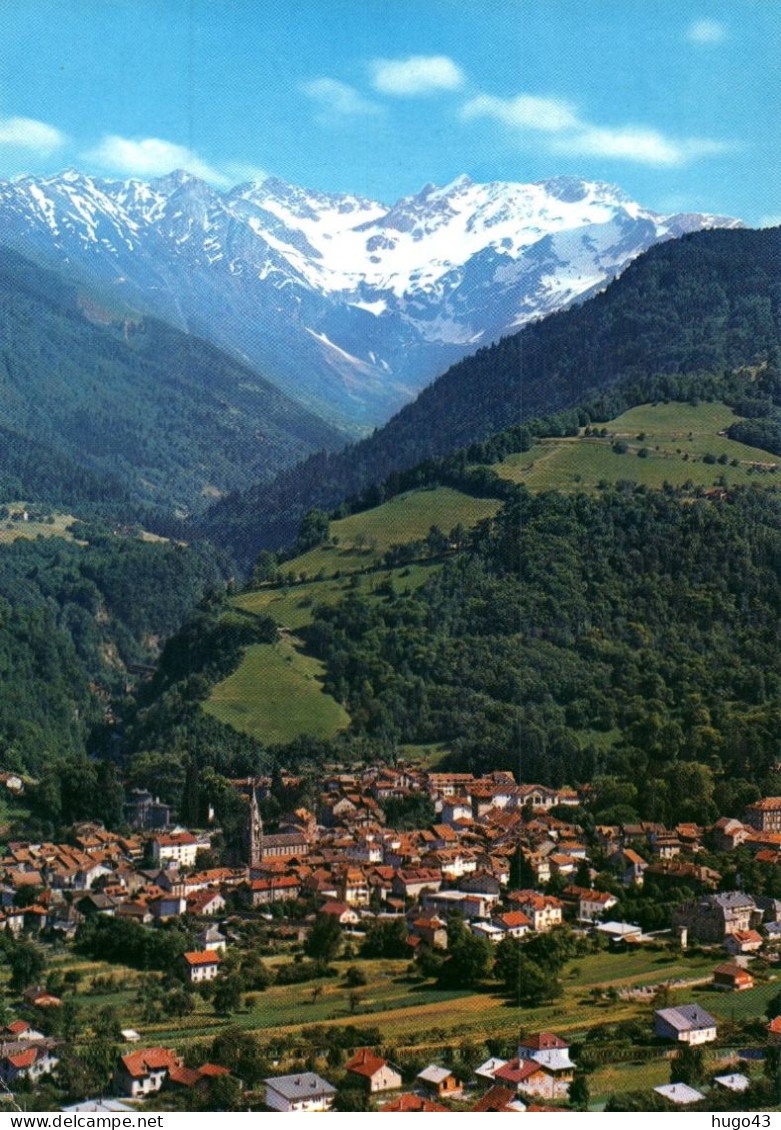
pixel 771 221
pixel 339 100
pixel 706 32
pixel 150 157
pixel 240 171
pixel 30 134
pixel 526 111
pixel 566 132
pixel 636 143
pixel 418 74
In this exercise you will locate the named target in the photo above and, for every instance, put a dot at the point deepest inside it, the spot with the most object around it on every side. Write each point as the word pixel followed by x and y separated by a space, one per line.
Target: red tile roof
pixel 543 1041
pixel 184 1076
pixel 140 1063
pixel 212 1070
pixel 517 1070
pixel 365 1062
pixel 23 1059
pixel 411 1104
pixel 202 957
pixel 513 918
pixel 496 1100
pixel 747 937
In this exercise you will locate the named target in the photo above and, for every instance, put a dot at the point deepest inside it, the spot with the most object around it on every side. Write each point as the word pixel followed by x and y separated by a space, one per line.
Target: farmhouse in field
pixel 731 976
pixel 201 965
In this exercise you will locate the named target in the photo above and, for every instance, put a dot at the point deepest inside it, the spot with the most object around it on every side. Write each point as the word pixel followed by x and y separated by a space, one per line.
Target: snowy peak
pixel 353 304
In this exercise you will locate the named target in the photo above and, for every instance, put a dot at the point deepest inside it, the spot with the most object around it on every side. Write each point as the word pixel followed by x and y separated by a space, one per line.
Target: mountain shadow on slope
pixel 171 418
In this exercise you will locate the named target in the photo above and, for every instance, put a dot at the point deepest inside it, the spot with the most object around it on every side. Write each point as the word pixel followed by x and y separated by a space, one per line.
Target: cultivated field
pixel 418 1018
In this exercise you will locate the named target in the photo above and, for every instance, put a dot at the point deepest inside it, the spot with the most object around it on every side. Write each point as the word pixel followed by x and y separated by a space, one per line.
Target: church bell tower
pixel 254 832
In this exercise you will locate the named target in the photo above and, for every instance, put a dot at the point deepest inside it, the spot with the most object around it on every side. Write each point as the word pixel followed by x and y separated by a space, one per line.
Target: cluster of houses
pixel 345 858
pixel 542 1070
pixel 345 861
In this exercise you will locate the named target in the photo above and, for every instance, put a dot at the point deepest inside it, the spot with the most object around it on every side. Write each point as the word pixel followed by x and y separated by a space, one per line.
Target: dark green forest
pixel 633 634
pixel 629 639
pixel 704 303
pixel 627 636
pixel 72 618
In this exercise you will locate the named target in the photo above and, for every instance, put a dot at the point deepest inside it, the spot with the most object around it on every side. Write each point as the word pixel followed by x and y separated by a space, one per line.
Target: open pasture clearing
pixel 675 438
pixel 276 694
pixel 11 530
pixel 292 605
pixel 364 538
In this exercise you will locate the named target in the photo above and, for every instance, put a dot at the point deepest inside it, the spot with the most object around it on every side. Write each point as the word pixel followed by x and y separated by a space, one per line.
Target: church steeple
pixel 255 831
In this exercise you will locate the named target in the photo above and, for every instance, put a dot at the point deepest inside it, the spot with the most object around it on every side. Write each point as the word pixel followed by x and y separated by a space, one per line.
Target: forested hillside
pixel 73 618
pixel 628 634
pixel 706 302
pixel 130 411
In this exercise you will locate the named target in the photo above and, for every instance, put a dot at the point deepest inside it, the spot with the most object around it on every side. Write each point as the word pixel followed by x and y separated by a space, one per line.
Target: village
pixel 504 889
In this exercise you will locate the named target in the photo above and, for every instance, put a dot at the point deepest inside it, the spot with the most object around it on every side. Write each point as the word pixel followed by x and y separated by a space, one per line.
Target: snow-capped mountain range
pixel 347 304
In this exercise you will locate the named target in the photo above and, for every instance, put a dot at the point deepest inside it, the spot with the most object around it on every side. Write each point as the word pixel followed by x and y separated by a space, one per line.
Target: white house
pixel 377 1074
pixel 145 1071
pixel 686 1024
pixel 18 1061
pixel 202 965
pixel 512 923
pixel 178 847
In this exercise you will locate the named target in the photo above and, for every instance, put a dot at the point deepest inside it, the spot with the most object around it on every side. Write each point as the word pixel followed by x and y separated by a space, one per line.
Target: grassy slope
pixel 403 519
pixel 291 606
pixel 676 437
pixel 10 531
pixel 276 693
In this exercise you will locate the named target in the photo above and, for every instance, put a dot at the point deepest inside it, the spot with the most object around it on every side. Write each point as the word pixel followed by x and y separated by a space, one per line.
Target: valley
pixel 350 306
pixel 420 751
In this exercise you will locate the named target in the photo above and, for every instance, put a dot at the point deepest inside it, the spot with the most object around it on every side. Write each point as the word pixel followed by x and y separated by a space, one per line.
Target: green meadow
pixel 292 605
pixel 360 541
pixel 674 439
pixel 276 694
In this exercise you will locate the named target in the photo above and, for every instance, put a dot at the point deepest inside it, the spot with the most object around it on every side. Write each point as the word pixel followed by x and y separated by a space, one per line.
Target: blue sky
pixel 676 101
